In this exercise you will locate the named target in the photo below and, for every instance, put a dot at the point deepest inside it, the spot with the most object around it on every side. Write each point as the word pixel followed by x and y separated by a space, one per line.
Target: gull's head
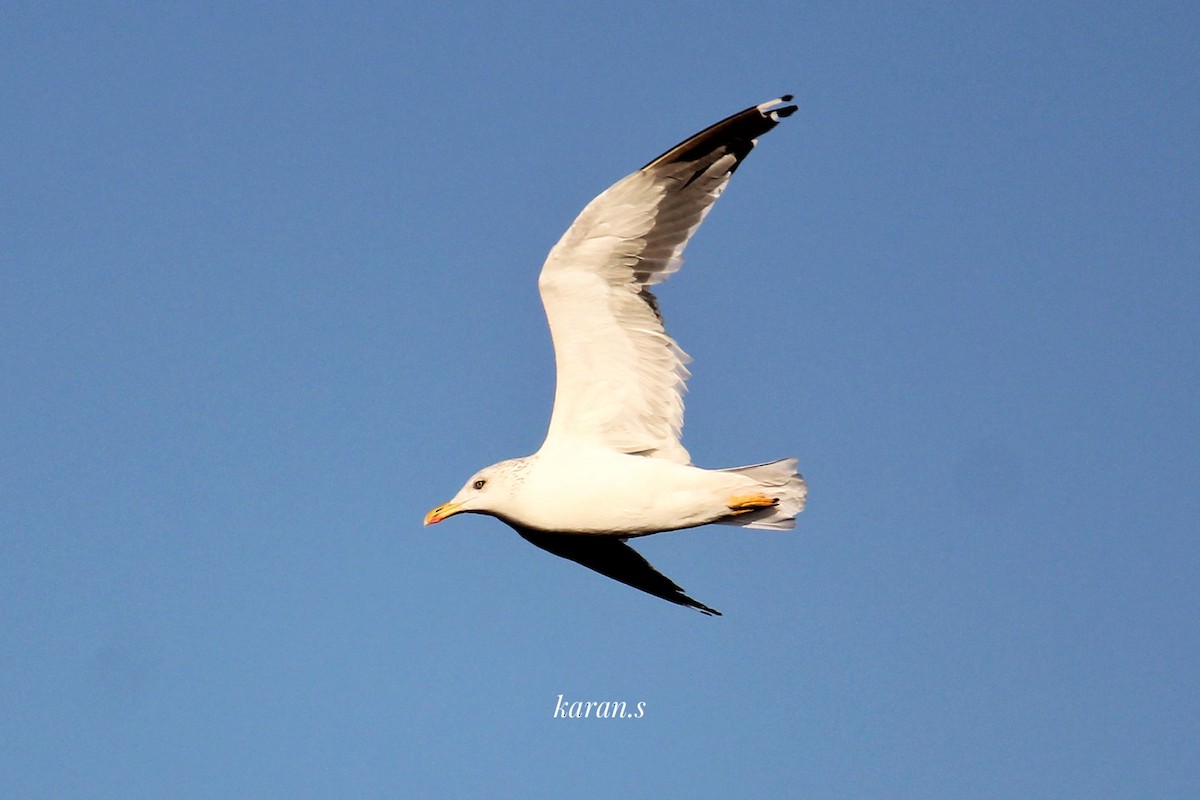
pixel 489 491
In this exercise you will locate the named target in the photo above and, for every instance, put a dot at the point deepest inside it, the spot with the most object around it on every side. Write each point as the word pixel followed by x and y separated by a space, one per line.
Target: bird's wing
pixel 620 376
pixel 612 557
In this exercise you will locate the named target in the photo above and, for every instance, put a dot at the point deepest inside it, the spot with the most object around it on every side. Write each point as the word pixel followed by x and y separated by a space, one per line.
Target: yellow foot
pixel 743 503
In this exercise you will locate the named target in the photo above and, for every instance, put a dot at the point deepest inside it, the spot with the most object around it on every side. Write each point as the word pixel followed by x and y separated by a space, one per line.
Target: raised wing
pixel 620 376
pixel 612 557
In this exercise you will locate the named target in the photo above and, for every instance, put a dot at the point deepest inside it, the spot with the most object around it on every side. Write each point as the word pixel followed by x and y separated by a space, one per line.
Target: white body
pixel 599 491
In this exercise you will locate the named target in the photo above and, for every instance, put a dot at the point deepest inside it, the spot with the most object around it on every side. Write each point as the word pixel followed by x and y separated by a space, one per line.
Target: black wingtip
pixel 612 557
pixel 738 133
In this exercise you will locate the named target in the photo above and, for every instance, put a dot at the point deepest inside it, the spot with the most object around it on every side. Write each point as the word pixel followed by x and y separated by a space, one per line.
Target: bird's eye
pixel 478 484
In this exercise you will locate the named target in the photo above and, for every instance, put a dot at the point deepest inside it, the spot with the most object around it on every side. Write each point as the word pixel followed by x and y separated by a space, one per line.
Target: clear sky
pixel 268 293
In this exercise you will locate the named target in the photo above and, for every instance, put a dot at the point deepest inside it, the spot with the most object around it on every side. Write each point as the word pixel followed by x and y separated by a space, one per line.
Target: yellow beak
pixel 441 512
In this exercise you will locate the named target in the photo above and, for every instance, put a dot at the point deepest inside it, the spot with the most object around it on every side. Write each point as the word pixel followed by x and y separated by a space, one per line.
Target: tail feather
pixel 778 479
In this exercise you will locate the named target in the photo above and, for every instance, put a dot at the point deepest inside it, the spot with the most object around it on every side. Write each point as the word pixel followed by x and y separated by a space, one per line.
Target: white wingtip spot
pixel 768 109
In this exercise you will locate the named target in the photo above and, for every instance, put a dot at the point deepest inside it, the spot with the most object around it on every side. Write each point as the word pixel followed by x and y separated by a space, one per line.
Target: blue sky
pixel 267 294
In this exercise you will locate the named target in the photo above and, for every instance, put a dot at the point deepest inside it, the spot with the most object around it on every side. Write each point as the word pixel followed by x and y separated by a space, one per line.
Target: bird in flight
pixel 612 467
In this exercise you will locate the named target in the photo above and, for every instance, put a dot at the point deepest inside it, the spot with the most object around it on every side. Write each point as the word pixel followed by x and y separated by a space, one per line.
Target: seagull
pixel 612 467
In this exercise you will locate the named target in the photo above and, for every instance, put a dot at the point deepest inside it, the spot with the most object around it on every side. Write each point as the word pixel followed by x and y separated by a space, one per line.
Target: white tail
pixel 777 479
